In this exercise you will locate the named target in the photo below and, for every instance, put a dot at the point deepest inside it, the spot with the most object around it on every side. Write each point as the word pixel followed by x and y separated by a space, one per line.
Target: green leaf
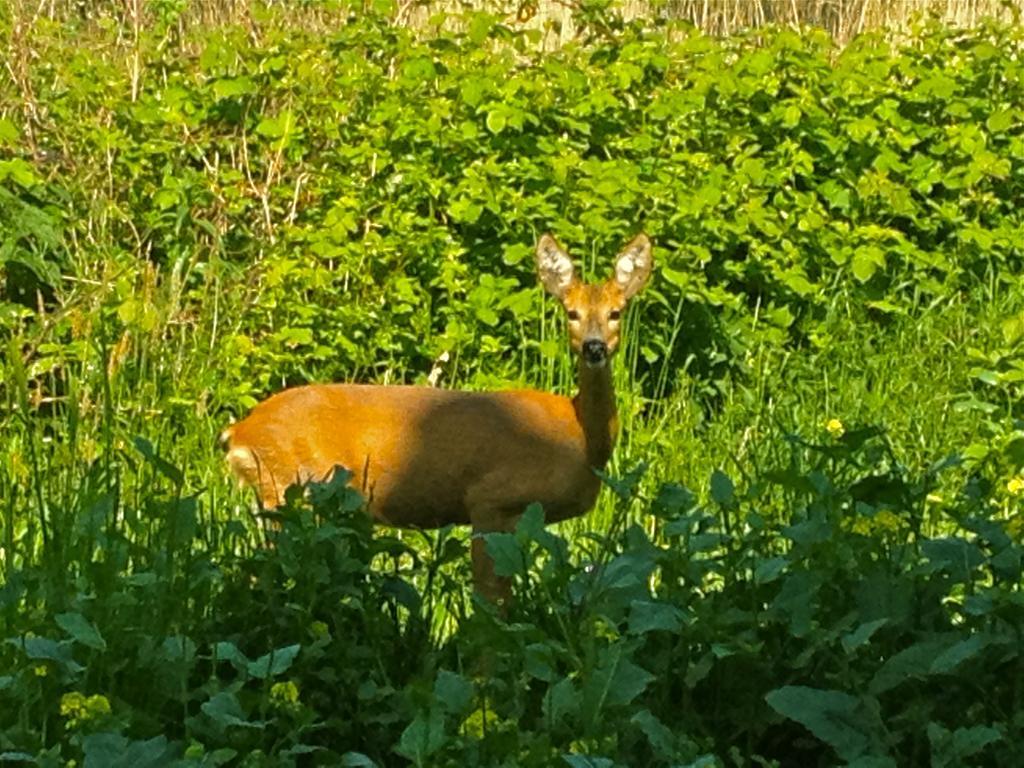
pixel 585 761
pixel 112 750
pixel 951 750
pixel 674 277
pixel 422 737
pixel 20 171
pixel 278 126
pixel 420 68
pixel 912 662
pixel 836 718
pixel 496 121
pixel 867 260
pixel 235 86
pixel 453 691
pixel 660 737
pixel 722 488
pixel 357 760
pixel 769 569
pixel 646 616
pixel 224 710
pixel 862 634
pixel 958 653
pixel 515 253
pixel 673 499
pixel 1000 121
pixel 625 487
pixel 228 651
pixel 178 649
pixel 955 555
pixel 8 132
pixel 561 701
pixel 81 630
pixel 43 648
pixel 273 663
pixel 616 681
pixel 480 26
pixel 504 550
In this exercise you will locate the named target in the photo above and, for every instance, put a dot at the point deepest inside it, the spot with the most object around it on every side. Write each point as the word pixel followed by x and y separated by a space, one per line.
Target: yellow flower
pixel 1015 486
pixel 97 705
pixel 79 709
pixel 835 428
pixel 41 670
pixel 72 704
pixel 480 721
pixel 284 694
pixel 882 522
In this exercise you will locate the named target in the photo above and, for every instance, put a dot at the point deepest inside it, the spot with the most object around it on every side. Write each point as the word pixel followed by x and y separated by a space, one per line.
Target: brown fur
pixel 427 457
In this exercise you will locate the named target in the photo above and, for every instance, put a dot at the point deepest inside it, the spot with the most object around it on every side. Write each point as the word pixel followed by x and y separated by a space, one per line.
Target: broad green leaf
pixel 453 691
pixel 43 648
pixel 867 260
pixel 81 630
pixel 769 569
pixel 958 653
pixel 673 499
pixel 1001 121
pixel 862 634
pixel 233 86
pixel 585 761
pixel 660 737
pixel 112 750
pixel 615 682
pixel 646 616
pixel 357 760
pixel 8 132
pixel 912 662
pixel 722 488
pixel 836 718
pixel 496 121
pixel 422 737
pixel 561 701
pixel 504 550
pixel 223 709
pixel 228 651
pixel 273 663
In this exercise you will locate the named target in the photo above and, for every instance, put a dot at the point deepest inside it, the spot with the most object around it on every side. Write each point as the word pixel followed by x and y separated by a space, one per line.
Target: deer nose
pixel 595 351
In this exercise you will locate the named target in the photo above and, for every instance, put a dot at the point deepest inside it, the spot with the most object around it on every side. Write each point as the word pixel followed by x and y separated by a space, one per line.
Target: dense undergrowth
pixel 810 550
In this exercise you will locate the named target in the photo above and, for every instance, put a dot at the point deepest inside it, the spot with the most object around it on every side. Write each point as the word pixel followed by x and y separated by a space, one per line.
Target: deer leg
pixel 496 589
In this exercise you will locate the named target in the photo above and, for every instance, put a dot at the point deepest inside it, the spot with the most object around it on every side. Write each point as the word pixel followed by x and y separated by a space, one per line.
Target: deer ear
pixel 554 267
pixel 633 265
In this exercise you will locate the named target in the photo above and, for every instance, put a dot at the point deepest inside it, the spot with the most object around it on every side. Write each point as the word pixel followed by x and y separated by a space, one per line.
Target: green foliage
pixel 829 357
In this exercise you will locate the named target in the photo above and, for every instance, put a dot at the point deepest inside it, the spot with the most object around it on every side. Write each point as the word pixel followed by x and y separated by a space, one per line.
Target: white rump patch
pixel 243 463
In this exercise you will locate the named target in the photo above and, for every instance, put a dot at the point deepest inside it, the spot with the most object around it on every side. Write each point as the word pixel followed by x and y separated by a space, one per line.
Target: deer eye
pixel 573 315
pixel 614 314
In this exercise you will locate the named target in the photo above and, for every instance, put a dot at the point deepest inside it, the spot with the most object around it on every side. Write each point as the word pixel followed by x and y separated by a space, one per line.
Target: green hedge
pixel 367 199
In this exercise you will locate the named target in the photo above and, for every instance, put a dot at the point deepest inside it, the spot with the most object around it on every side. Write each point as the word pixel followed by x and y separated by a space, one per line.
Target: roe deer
pixel 426 457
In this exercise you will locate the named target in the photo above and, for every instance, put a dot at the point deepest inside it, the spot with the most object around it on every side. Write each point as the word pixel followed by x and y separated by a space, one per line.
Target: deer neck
pixel 596 412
